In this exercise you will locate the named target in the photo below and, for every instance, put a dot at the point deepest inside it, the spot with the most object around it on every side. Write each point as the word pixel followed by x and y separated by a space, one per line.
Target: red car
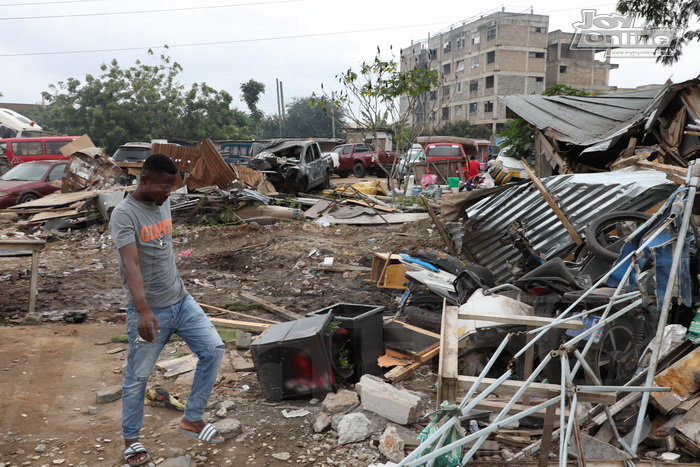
pixel 29 181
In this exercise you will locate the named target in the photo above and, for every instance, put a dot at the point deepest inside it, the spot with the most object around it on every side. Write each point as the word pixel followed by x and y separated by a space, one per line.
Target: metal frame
pixel 568 390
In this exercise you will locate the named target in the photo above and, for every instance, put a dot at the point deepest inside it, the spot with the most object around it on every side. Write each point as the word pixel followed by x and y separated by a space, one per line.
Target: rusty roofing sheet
pixel 582 197
pixel 581 121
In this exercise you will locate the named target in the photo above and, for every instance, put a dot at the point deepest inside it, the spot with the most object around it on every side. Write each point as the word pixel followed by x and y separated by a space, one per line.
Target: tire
pixel 598 233
pixel 27 198
pixel 615 347
pixel 359 170
pixel 479 349
pixel 425 311
pixel 343 173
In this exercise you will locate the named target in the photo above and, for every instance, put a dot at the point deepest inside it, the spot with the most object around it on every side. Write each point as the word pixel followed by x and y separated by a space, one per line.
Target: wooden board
pixel 532 321
pixel 242 325
pixel 278 310
pixel 681 378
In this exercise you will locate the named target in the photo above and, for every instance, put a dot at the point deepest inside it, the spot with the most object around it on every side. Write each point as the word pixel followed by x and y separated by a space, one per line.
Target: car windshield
pixel 131 154
pixel 444 151
pixel 27 172
pixel 414 154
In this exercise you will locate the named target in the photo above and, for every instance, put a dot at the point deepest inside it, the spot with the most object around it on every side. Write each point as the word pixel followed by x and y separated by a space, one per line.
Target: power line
pixel 113 13
pixel 237 41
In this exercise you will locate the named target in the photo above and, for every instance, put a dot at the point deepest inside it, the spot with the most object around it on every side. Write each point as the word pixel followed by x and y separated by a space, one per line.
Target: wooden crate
pixel 388 272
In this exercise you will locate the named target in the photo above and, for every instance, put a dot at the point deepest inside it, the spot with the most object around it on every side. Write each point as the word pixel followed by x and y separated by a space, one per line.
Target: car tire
pixel 359 170
pixel 343 173
pixel 27 198
pixel 596 233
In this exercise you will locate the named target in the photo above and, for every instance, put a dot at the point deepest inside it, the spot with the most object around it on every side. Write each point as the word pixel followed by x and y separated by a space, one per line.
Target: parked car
pixel 360 159
pixel 14 151
pixel 16 125
pixel 132 152
pixel 507 160
pixel 294 165
pixel 30 181
pixel 440 148
pixel 413 155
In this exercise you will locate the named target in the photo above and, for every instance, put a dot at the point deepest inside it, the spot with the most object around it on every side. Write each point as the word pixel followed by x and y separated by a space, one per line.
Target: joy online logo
pixel 599 31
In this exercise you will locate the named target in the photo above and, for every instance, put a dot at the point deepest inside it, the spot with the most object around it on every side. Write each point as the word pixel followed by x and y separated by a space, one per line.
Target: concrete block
pixel 340 401
pixel 110 394
pixel 398 405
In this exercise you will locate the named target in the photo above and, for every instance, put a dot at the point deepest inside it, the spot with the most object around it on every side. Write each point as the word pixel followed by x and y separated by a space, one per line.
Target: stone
pixel 392 445
pixel 335 421
pixel 596 450
pixel 228 405
pixel 221 413
pixel 282 456
pixel 398 405
pixel 670 457
pixel 58 461
pixel 340 401
pixel 182 461
pixel 40 448
pixel 109 394
pixel 353 428
pixel 322 423
pixel 92 410
pixel 229 427
pixel 514 425
pixel 243 339
pixel 507 454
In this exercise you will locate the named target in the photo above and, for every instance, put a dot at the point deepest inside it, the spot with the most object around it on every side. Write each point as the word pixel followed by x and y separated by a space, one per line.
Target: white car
pixel 511 164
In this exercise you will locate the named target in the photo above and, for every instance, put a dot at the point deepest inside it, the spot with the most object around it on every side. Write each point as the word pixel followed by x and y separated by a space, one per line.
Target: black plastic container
pixel 366 337
pixel 292 359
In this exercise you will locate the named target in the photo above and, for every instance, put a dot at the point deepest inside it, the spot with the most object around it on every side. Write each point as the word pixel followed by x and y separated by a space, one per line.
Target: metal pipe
pixel 617 388
pixel 487 368
pixel 575 340
pixel 498 288
pixel 564 438
pixel 692 181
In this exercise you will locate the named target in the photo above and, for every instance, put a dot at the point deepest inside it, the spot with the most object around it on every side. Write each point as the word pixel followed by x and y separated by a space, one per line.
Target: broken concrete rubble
pixel 395 404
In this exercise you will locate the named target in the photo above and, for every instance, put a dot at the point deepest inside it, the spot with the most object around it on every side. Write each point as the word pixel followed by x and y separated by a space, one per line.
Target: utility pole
pixel 279 106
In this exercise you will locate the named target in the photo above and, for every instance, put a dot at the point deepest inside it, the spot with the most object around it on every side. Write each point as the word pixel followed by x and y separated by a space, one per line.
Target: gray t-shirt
pixel 150 227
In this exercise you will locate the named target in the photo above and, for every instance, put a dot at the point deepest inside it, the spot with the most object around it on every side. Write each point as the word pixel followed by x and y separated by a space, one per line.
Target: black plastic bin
pixel 366 340
pixel 292 359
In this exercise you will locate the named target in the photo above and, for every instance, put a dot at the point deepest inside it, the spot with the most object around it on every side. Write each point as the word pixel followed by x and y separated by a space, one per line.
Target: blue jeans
pixel 187 319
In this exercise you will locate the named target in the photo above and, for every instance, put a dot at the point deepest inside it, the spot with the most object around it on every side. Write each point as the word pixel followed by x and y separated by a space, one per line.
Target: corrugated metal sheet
pixel 581 121
pixel 582 197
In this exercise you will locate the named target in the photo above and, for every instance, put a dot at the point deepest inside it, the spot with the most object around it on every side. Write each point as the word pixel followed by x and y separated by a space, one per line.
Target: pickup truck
pixel 440 148
pixel 359 159
pixel 294 165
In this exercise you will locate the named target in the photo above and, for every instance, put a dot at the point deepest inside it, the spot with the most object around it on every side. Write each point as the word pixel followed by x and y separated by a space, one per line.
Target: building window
pixel 536 54
pixel 433 95
pixel 538 29
pixel 446 91
pixel 500 127
pixel 446 113
pixel 446 68
pixel 460 66
pixel 489 82
pixel 460 42
pixel 491 33
pixel 432 54
pixel 474 85
pixel 562 69
pixel 472 107
pixel 447 47
pixel 491 56
pixel 475 62
pixel 476 38
pixel 539 79
pixel 488 106
pixel 460 88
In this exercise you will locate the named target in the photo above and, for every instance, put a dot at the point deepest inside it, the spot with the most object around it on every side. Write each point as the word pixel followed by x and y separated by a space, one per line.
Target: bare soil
pixel 49 373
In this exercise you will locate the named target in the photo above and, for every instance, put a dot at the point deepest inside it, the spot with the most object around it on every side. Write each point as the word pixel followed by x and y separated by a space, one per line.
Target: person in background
pixel 474 167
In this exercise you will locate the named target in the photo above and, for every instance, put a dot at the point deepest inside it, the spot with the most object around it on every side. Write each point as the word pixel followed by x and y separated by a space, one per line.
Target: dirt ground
pixel 51 372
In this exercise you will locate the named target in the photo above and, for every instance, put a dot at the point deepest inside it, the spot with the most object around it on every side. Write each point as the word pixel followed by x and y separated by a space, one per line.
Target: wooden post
pixel 547 429
pixel 449 354
pixel 33 283
pixel 552 204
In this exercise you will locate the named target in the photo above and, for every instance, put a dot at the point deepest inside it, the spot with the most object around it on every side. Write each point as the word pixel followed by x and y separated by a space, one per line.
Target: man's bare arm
pixel 148 324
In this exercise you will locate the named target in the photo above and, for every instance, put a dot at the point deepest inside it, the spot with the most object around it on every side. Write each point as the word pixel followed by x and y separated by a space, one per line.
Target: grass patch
pixel 226 335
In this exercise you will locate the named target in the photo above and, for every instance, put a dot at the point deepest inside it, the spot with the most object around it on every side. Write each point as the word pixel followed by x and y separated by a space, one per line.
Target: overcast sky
pixel 225 43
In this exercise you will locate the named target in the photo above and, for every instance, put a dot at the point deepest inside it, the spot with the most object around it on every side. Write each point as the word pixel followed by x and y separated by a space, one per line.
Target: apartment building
pixel 496 55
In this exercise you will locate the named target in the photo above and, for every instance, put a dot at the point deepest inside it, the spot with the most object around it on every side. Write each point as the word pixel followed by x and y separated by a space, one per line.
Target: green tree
pixel 666 15
pixel 250 93
pixel 463 129
pixel 304 120
pixel 563 90
pixel 370 98
pixel 140 103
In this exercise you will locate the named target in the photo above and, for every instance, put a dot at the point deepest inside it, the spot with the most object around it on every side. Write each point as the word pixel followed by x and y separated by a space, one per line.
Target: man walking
pixel 159 306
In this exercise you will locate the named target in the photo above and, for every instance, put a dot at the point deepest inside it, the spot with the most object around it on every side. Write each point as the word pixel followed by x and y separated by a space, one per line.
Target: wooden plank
pixel 22 245
pixel 534 321
pixel 534 390
pixel 497 406
pixel 672 169
pixel 33 279
pixel 418 329
pixel 550 419
pixel 242 325
pixel 681 378
pixel 449 357
pixel 278 310
pixel 223 310
pixel 552 204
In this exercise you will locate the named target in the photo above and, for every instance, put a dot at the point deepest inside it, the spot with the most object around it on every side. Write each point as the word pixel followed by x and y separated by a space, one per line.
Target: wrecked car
pixel 29 181
pixel 294 166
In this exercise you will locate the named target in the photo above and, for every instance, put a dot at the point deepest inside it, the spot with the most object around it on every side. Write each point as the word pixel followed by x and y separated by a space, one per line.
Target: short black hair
pixel 159 164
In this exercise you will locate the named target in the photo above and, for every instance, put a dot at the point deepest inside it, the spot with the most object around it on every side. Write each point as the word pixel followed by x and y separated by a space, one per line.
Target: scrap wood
pixel 223 310
pixel 278 310
pixel 680 377
pixel 672 169
pixel 242 325
pixel 440 226
pixel 552 204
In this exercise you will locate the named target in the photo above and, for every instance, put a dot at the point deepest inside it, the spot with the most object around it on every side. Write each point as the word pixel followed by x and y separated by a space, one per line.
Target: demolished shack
pixel 594 133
